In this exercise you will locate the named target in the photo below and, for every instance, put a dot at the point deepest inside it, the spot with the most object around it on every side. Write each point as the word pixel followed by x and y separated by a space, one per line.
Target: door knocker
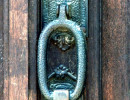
pixel 64 88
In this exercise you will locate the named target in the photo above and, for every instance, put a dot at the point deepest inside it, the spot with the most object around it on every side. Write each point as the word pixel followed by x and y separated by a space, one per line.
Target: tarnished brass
pixel 76 10
pixel 62 78
pixel 63 40
pixel 61 71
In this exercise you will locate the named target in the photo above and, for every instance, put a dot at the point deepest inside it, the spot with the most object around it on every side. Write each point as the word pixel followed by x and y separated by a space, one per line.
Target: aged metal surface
pixel 63 40
pixel 69 57
pixel 77 11
pixel 42 46
pixel 60 72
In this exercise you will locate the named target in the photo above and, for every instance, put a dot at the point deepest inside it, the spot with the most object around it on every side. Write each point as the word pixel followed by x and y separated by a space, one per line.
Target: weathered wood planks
pixel 93 82
pixel 18 73
pixel 18 50
pixel 1 50
pixel 6 49
pixel 33 33
pixel 115 55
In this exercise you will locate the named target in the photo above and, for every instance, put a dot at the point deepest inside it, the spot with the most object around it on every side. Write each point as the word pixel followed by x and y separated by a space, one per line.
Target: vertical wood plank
pixel 115 50
pixel 1 51
pixel 93 82
pixel 32 49
pixel 18 49
pixel 128 46
pixel 6 49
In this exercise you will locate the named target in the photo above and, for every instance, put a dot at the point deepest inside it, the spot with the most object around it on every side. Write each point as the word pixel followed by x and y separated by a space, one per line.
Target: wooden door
pixel 108 68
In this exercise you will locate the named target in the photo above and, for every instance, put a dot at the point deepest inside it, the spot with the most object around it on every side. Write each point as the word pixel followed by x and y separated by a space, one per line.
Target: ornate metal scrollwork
pixel 61 71
pixel 63 40
pixel 66 86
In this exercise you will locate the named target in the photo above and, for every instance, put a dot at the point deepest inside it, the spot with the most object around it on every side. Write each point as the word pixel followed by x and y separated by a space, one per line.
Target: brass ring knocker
pixel 62 21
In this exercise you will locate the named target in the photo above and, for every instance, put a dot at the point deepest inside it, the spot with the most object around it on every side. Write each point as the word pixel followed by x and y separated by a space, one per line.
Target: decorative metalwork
pixel 63 40
pixel 76 11
pixel 62 21
pixel 61 71
pixel 66 86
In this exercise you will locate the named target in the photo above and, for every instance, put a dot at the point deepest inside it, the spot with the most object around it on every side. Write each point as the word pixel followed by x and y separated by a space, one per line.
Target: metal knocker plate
pixel 63 22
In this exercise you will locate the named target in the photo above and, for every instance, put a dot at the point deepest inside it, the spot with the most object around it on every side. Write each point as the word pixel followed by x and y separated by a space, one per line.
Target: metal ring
pixel 81 52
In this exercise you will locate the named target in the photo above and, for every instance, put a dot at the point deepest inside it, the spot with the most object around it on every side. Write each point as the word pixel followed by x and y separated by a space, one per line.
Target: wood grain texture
pixel 115 53
pixel 18 49
pixel 93 82
pixel 6 49
pixel 115 46
pixel 32 49
pixel 1 50
pixel 128 46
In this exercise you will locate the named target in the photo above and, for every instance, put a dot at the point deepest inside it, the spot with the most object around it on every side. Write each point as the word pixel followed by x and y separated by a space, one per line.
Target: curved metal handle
pixel 62 21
